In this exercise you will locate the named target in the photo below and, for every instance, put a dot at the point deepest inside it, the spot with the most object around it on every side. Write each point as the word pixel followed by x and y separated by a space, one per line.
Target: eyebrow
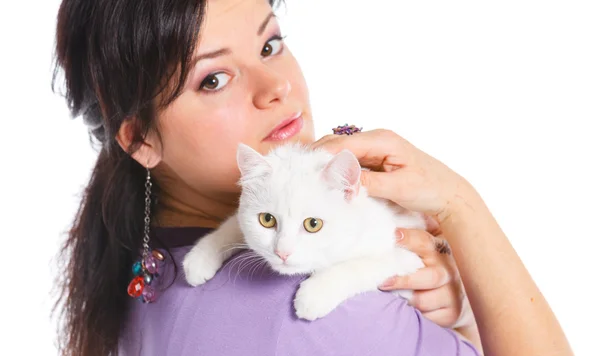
pixel 264 24
pixel 210 55
pixel 226 51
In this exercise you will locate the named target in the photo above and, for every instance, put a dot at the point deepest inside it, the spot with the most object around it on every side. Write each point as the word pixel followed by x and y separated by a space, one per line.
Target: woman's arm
pixel 512 315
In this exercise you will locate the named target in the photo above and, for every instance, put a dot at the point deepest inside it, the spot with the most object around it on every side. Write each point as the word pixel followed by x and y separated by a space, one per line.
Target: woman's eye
pixel 272 47
pixel 215 81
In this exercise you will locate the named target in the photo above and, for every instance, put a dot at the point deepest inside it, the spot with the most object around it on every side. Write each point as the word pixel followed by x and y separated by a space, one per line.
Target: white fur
pixel 354 252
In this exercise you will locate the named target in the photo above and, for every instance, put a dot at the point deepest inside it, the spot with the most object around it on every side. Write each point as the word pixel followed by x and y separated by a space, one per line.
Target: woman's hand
pixel 400 172
pixel 516 323
pixel 412 179
pixel 438 290
pixel 416 181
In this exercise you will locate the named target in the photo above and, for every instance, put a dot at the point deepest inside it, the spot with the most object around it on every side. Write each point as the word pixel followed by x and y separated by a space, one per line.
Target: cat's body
pixel 304 212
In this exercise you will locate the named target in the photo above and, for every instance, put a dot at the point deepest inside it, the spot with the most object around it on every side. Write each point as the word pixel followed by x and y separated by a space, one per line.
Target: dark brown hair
pixel 118 58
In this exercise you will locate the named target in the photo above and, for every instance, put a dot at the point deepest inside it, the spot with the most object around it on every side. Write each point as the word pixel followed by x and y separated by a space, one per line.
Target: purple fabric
pixel 246 309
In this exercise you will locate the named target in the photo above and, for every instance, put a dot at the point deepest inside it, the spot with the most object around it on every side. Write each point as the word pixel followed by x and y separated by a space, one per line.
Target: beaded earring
pixel 146 268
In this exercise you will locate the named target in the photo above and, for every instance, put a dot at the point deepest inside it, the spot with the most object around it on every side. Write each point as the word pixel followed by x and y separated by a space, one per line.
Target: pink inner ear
pixel 352 177
pixel 350 193
pixel 343 172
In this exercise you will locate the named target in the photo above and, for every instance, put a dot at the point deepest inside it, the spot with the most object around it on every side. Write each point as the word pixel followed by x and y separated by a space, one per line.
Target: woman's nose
pixel 271 87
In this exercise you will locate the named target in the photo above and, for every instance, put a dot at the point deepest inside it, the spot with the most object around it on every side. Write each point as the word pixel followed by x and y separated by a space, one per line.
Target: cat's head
pixel 295 204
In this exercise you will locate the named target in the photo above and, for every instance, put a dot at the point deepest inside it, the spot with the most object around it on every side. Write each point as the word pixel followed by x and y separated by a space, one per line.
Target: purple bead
pixel 150 264
pixel 148 294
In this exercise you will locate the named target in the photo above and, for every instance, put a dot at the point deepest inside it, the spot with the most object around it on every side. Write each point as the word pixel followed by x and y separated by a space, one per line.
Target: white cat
pixel 305 212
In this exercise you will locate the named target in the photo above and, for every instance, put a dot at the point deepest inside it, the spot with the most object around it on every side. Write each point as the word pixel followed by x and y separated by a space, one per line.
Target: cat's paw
pixel 201 264
pixel 316 298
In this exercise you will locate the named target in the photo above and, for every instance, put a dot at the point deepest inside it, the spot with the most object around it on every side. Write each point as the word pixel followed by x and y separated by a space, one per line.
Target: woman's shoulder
pixel 248 309
pixel 239 311
pixel 373 323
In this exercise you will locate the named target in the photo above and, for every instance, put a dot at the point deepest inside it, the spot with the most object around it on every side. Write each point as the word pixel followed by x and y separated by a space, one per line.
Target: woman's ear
pixel 148 153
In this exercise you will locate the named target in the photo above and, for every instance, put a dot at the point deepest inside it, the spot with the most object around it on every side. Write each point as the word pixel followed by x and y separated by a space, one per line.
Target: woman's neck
pixel 185 208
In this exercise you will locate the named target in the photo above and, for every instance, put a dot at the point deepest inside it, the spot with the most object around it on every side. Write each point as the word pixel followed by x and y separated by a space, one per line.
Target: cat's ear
pixel 250 162
pixel 343 173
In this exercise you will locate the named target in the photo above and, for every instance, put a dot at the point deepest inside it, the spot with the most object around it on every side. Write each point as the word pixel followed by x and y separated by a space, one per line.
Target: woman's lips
pixel 286 129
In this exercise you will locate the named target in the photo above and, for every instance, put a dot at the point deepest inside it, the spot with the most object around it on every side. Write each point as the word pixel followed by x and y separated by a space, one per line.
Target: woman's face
pixel 244 86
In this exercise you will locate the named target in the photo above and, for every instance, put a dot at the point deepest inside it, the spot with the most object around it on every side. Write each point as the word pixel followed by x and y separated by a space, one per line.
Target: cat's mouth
pixel 286 268
pixel 289 270
pixel 283 267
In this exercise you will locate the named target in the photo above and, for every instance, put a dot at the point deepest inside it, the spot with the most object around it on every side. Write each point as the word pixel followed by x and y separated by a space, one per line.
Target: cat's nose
pixel 282 255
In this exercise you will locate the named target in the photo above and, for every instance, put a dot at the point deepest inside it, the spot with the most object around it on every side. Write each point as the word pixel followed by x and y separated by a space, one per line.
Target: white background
pixel 507 93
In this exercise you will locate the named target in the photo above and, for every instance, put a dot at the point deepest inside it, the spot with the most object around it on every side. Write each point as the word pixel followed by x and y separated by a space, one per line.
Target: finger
pixel 445 317
pixel 320 142
pixel 433 227
pixel 336 143
pixel 418 241
pixel 426 278
pixel 380 185
pixel 423 243
pixel 442 247
pixel 370 147
pixel 430 300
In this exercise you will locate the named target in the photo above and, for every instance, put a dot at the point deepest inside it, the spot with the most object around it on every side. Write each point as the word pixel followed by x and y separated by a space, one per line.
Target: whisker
pixel 257 265
pixel 235 246
pixel 242 262
pixel 249 262
pixel 250 268
pixel 238 260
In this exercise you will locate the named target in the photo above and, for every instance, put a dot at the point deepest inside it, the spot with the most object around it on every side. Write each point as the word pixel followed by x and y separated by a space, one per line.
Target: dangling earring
pixel 145 270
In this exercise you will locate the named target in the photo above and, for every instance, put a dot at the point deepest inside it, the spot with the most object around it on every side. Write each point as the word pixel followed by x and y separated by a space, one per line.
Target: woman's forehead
pixel 237 18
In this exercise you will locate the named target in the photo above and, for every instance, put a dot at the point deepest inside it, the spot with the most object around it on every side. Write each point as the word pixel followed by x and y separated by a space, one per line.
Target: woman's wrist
pixel 464 201
pixel 461 214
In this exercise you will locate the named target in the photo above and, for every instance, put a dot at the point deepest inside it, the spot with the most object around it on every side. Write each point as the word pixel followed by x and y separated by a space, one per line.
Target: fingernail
pixel 399 235
pixel 388 283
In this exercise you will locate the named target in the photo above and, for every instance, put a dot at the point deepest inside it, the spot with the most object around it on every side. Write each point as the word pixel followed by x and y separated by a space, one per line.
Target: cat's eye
pixel 313 225
pixel 267 220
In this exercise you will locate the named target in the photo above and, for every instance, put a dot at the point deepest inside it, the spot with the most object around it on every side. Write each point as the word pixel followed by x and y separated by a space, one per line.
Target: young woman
pixel 169 88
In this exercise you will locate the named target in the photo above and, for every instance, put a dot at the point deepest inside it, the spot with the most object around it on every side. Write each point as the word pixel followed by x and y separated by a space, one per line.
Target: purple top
pixel 246 309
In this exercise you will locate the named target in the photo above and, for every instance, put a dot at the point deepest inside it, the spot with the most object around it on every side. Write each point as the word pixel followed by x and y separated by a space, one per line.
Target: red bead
pixel 136 287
